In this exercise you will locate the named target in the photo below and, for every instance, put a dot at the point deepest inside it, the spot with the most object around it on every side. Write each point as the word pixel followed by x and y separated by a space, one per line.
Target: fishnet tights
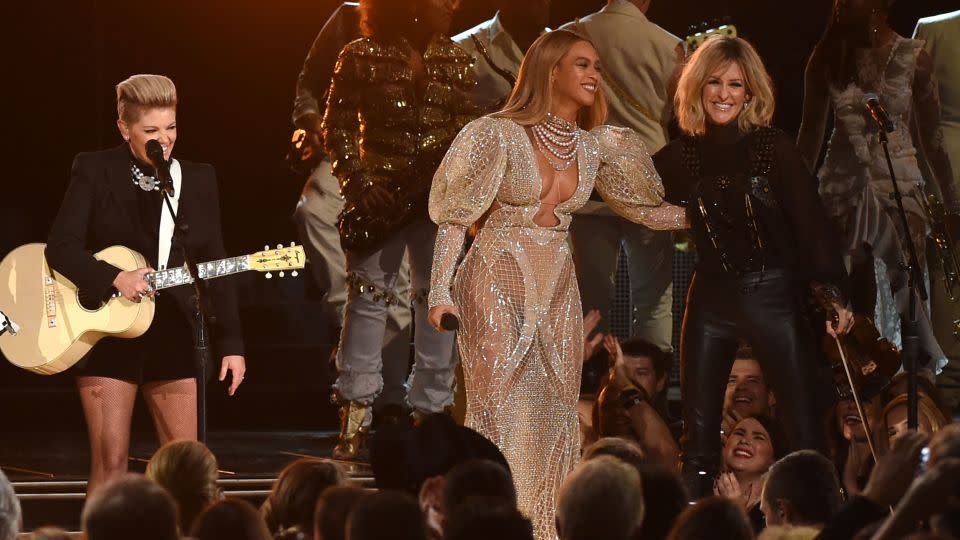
pixel 108 409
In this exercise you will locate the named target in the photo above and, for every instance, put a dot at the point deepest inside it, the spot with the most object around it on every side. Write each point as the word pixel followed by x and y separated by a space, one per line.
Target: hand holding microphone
pixel 444 318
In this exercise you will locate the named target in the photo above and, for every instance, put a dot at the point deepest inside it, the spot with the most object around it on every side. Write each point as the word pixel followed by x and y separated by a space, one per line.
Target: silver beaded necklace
pixel 558 138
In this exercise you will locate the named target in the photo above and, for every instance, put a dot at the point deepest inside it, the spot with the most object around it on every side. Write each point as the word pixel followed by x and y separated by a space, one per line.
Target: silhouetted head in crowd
pixel 333 509
pixel 403 458
pixel 130 507
pixel 386 515
pixel 50 533
pixel 748 393
pixel 787 532
pixel 601 498
pixel 664 495
pixel 293 499
pixel 477 478
pixel 625 450
pixel 9 510
pixel 801 489
pixel 752 446
pixel 482 518
pixel 188 471
pixel 664 498
pixel 230 519
pixel 713 518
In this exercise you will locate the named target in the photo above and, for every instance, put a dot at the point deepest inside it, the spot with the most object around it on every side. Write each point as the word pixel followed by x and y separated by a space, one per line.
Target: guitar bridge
pixel 50 295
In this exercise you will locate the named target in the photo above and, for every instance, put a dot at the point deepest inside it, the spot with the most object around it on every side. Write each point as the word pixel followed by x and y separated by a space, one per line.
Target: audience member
pixel 482 518
pixel 623 449
pixel 50 533
pixel 888 482
pixel 404 459
pixel 386 515
pixel 930 418
pixel 477 478
pixel 601 498
pixel 441 495
pixel 627 403
pixel 664 498
pixel 333 509
pixel 293 499
pixel 187 469
pixel 847 443
pixel 945 443
pixel 230 519
pixel 130 507
pixel 802 489
pixel 788 532
pixel 747 391
pixel 9 510
pixel 751 448
pixel 712 518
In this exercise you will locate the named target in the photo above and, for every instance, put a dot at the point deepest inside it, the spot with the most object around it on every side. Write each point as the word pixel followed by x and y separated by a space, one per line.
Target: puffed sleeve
pixel 464 187
pixel 629 183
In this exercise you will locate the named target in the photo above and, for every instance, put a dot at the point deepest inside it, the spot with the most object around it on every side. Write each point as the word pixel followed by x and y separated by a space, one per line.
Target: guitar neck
pixel 174 277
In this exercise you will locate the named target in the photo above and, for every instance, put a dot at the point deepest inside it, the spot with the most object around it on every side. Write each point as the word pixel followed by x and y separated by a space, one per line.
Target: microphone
pixel 872 103
pixel 449 322
pixel 155 153
pixel 6 324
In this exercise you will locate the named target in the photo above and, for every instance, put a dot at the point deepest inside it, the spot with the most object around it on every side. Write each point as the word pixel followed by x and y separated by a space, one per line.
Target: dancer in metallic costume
pixel 517 176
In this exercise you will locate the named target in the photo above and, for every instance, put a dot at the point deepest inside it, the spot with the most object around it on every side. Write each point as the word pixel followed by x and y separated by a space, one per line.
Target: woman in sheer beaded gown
pixel 517 175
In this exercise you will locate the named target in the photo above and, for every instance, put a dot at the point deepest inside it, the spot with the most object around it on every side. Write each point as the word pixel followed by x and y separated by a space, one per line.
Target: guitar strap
pixel 506 74
pixel 615 86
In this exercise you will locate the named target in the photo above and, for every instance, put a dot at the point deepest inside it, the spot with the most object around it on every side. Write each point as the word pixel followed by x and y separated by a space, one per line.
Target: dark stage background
pixel 235 65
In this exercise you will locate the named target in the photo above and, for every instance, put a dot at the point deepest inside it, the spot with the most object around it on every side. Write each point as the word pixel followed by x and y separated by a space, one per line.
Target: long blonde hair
pixel 532 95
pixel 713 55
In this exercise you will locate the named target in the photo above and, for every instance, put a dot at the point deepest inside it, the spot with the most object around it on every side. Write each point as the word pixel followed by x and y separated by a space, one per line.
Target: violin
pixel 872 359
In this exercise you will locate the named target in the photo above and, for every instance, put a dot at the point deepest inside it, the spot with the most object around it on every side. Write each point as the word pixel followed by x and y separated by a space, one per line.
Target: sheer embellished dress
pixel 521 329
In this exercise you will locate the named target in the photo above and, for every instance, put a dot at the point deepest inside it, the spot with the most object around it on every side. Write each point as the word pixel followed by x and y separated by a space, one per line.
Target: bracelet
pixel 632 396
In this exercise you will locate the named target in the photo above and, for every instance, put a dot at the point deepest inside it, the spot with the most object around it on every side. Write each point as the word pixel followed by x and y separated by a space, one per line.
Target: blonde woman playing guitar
pixel 114 200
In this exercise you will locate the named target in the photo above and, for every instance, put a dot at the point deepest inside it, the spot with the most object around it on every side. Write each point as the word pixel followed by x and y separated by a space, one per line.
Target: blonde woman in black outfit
pixel 761 234
pixel 109 202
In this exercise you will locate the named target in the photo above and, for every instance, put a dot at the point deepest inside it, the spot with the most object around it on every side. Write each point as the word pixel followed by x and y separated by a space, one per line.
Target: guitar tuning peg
pixel 281 273
pixel 266 246
pixel 294 273
pixel 292 244
pixel 279 246
pixel 268 275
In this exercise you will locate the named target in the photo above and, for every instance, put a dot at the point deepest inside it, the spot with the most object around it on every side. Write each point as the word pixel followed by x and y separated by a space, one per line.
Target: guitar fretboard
pixel 173 277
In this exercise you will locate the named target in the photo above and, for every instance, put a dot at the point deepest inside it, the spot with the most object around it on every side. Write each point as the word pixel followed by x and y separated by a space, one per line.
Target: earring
pixel 746 105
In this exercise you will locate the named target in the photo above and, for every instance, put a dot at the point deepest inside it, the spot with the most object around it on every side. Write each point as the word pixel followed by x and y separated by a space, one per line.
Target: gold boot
pixel 354 426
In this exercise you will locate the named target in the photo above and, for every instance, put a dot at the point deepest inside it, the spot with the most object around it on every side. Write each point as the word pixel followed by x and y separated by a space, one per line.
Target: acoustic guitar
pixel 58 325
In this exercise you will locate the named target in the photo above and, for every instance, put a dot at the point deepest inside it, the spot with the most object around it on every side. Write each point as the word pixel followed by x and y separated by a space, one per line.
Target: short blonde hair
pixel 141 92
pixel 532 95
pixel 714 55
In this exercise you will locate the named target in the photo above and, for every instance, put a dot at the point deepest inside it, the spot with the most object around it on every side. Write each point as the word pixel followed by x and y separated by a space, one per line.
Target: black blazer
pixel 100 210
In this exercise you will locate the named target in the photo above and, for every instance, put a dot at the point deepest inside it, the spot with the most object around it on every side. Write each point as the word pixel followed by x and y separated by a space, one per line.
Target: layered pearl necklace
pixel 558 138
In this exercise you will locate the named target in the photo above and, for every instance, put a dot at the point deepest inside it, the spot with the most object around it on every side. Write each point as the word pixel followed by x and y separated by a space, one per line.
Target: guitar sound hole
pixel 91 302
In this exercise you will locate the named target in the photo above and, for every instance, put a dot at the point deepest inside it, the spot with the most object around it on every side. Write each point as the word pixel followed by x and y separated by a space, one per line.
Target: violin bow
pixel 856 398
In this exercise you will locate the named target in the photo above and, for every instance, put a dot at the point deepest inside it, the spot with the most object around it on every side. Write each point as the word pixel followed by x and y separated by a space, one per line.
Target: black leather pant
pixel 764 310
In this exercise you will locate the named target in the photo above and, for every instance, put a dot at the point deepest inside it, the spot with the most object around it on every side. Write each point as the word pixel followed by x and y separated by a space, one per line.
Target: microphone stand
pixel 201 346
pixel 909 329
